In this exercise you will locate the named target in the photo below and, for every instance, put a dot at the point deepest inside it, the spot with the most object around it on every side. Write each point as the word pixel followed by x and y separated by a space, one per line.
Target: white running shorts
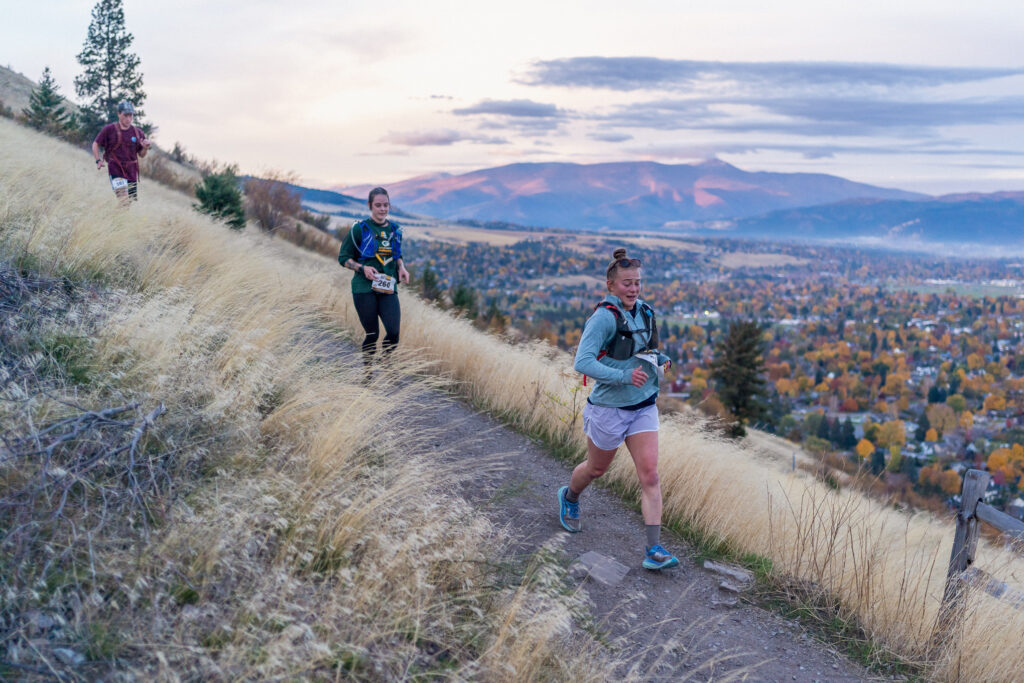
pixel 609 427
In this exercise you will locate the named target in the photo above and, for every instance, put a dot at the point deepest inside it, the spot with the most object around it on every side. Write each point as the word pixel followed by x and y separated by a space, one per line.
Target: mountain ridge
pixel 610 194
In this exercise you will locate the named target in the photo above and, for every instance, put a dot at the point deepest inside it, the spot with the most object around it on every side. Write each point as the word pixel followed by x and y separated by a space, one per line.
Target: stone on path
pixel 731 586
pixel 733 572
pixel 600 568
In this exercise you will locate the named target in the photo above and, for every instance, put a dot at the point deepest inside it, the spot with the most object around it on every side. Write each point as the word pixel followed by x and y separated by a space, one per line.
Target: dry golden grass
pixel 311 547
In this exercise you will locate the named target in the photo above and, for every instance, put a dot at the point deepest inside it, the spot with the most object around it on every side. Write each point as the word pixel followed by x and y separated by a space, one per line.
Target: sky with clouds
pixel 921 95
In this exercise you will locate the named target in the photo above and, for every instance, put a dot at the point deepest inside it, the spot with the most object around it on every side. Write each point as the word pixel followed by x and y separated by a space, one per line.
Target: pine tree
pixel 923 425
pixel 464 300
pixel 220 197
pixel 737 371
pixel 849 438
pixel 110 72
pixel 47 110
pixel 429 286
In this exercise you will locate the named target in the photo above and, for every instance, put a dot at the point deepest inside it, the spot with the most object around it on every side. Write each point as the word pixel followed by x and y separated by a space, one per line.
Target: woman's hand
pixel 369 272
pixel 639 377
pixel 403 274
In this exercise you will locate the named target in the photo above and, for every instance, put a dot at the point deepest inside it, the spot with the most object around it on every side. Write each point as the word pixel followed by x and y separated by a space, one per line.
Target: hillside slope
pixel 15 89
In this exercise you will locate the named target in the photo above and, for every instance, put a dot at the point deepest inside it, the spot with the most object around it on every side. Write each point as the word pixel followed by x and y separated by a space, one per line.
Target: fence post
pixel 965 544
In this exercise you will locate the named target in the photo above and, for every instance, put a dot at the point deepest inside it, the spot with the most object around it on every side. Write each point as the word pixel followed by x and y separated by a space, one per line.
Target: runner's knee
pixel 648 478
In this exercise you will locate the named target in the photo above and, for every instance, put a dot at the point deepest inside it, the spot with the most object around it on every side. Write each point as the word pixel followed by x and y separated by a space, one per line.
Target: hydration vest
pixel 366 243
pixel 621 345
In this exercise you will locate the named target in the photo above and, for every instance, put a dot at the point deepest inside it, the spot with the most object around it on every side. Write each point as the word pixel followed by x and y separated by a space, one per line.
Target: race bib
pixel 118 183
pixel 385 284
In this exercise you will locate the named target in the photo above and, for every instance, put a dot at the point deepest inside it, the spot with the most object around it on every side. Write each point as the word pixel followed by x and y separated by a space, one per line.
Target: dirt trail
pixel 673 618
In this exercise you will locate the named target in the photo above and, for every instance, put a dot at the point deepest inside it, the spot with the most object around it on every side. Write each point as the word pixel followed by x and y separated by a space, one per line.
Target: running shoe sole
pixel 562 510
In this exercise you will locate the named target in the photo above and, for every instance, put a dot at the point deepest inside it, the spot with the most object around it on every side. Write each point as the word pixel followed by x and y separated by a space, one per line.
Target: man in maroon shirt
pixel 123 145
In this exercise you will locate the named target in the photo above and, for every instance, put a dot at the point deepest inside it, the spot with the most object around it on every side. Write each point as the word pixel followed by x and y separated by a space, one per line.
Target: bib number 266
pixel 384 284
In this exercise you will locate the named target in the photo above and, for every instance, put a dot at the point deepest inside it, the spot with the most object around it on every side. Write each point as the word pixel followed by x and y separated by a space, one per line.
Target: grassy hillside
pixel 15 89
pixel 281 511
pixel 191 474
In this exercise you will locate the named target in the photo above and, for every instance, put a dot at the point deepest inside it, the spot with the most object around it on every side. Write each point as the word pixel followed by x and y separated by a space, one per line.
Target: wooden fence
pixel 962 572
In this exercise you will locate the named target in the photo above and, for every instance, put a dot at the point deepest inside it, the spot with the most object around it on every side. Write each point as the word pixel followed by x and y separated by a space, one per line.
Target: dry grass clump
pixel 314 531
pixel 158 166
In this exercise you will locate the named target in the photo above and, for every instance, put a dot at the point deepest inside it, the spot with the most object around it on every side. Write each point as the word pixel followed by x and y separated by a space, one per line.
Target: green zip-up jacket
pixel 380 249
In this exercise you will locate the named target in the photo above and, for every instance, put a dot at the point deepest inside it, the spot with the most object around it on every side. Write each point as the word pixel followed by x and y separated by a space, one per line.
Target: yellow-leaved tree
pixel 950 482
pixel 865 448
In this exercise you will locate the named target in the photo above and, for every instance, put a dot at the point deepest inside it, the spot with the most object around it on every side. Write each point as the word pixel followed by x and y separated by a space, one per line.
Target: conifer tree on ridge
pixel 47 110
pixel 110 72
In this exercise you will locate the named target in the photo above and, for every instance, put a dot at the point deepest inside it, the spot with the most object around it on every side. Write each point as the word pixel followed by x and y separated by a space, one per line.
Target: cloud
pixel 815 116
pixel 635 73
pixel 525 117
pixel 808 151
pixel 512 108
pixel 611 136
pixel 438 138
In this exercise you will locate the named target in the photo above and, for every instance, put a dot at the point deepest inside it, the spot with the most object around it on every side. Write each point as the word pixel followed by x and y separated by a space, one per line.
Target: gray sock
pixel 572 496
pixel 653 534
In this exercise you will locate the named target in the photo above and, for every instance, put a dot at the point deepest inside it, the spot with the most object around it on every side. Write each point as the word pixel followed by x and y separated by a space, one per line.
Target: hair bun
pixel 619 253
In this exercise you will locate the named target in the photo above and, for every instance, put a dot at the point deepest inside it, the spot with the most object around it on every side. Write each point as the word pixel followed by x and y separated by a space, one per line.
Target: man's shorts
pixel 609 427
pixel 120 185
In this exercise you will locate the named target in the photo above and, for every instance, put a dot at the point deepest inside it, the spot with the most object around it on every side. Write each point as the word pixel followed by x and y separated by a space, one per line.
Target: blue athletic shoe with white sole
pixel 568 512
pixel 659 558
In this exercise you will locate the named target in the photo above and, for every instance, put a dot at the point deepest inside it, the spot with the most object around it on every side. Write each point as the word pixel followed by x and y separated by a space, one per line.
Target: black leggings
pixel 369 307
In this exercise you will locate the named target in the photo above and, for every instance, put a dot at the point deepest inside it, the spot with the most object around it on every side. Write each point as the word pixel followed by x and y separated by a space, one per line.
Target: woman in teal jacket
pixel 618 350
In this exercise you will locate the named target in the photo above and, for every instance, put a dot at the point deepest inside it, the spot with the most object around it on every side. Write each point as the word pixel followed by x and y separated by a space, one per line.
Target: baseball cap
pixel 125 107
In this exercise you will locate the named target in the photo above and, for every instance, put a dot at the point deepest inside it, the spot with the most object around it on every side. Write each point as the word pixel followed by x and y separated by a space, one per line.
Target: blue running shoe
pixel 659 558
pixel 569 512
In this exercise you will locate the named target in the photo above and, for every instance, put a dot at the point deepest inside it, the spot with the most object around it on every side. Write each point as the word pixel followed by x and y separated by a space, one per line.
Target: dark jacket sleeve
pixel 348 247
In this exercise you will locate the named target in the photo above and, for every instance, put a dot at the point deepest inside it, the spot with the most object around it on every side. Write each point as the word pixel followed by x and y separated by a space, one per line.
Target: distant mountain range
pixel 990 220
pixel 717 199
pixel 338 204
pixel 620 195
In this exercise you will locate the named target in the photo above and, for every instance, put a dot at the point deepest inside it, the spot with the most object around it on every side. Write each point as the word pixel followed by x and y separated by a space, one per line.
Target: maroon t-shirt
pixel 122 157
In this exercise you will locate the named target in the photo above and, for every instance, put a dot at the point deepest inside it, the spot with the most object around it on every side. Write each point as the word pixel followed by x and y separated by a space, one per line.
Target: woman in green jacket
pixel 373 249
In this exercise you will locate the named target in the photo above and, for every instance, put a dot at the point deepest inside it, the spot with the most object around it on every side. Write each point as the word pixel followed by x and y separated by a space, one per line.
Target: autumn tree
pixel 110 71
pixel 942 417
pixel 950 482
pixel 270 202
pixel 737 370
pixel 892 433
